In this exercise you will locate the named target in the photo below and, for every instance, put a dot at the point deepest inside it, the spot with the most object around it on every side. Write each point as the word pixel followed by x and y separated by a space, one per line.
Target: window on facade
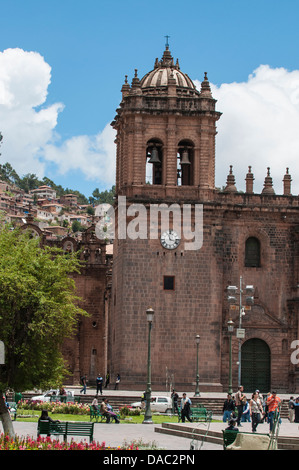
pixel 252 253
pixel 185 157
pixel 154 161
pixel 168 282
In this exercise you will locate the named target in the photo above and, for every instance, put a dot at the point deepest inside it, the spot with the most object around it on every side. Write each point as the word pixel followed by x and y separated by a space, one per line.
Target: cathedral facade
pixel 166 133
pixel 199 256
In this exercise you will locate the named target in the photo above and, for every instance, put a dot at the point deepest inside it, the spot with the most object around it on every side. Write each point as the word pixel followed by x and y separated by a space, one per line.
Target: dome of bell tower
pixel 166 73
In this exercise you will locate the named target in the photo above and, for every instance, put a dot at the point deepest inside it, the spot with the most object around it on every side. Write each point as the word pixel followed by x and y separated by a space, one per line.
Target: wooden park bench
pixel 62 399
pixel 201 414
pixel 65 429
pixel 198 413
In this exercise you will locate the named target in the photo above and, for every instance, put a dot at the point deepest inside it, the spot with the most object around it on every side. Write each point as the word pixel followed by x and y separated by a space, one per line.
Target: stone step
pixel 188 433
pixel 215 405
pixel 284 442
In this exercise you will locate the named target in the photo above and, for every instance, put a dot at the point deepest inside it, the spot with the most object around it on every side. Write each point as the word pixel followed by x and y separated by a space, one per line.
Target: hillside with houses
pixel 58 216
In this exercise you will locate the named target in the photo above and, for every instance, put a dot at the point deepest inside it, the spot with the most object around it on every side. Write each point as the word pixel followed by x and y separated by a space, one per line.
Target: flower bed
pixel 55 407
pixel 46 443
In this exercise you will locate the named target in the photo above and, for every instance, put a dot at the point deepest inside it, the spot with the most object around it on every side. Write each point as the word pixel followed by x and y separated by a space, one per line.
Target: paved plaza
pixel 118 434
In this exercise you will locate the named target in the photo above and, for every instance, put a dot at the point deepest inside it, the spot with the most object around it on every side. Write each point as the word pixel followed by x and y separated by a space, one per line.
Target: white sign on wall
pixel 240 333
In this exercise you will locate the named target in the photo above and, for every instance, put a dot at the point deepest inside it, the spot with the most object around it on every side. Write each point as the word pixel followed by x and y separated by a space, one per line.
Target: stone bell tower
pixel 165 134
pixel 165 143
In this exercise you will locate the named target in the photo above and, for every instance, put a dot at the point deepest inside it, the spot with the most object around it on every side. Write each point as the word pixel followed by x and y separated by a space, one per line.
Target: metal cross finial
pixel 167 44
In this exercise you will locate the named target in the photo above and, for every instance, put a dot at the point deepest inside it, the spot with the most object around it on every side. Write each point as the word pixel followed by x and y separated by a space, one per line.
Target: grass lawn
pixel 157 419
pixel 33 415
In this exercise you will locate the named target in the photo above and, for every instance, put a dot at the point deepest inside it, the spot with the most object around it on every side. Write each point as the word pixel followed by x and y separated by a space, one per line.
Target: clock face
pixel 170 239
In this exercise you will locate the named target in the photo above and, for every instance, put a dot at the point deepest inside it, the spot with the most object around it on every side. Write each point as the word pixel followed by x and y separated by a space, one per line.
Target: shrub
pixel 128 411
pixel 55 407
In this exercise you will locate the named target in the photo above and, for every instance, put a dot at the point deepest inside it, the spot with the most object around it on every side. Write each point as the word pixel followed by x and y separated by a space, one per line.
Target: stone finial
pixel 268 184
pixel 230 182
pixel 136 85
pixel 135 80
pixel 126 87
pixel 167 59
pixel 205 91
pixel 249 181
pixel 287 183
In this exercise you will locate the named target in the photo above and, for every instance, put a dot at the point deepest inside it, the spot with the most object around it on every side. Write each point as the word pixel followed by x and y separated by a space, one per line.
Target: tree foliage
pixel 38 310
pixel 101 197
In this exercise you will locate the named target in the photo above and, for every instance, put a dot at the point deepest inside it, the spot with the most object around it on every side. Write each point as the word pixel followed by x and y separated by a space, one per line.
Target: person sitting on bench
pixel 104 410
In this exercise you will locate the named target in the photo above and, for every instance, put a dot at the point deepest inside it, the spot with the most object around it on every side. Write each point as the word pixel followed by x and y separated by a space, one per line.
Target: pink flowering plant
pixel 46 443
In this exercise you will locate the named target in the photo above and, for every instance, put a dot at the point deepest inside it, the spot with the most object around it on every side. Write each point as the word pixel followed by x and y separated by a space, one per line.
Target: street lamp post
pixel 230 327
pixel 197 394
pixel 232 293
pixel 148 415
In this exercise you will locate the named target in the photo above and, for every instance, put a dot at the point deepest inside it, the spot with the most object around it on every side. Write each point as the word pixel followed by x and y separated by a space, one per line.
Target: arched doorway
pixel 256 366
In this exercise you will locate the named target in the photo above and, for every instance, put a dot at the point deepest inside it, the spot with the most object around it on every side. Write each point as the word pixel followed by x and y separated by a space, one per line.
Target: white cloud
pixel 259 127
pixel 24 81
pixel 28 125
pixel 94 156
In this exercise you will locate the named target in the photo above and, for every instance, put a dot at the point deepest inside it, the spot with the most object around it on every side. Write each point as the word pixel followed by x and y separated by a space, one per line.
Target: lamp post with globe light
pixel 148 415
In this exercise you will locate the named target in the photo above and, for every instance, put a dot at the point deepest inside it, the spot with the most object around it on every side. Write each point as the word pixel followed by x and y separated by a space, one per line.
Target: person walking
pixel 239 404
pixel 273 403
pixel 265 407
pixel 246 411
pixel 84 383
pixel 256 411
pixel 174 397
pixel 291 410
pixel 117 382
pixel 107 379
pixel 99 382
pixel 296 408
pixel 185 408
pixel 228 408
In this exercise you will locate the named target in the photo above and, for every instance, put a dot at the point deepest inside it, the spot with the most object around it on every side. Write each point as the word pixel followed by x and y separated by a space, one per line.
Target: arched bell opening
pixel 185 163
pixel 154 162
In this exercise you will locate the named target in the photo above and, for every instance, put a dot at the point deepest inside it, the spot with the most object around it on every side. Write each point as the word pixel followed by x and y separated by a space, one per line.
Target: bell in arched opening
pixel 154 156
pixel 185 157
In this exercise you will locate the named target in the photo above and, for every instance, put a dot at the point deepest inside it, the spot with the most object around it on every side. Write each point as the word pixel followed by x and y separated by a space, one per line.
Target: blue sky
pixel 62 65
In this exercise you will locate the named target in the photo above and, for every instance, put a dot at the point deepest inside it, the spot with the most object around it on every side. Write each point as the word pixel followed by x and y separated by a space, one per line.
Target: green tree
pixel 28 182
pixel 76 226
pixel 39 308
pixel 103 196
pixel 7 173
pixel 90 210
